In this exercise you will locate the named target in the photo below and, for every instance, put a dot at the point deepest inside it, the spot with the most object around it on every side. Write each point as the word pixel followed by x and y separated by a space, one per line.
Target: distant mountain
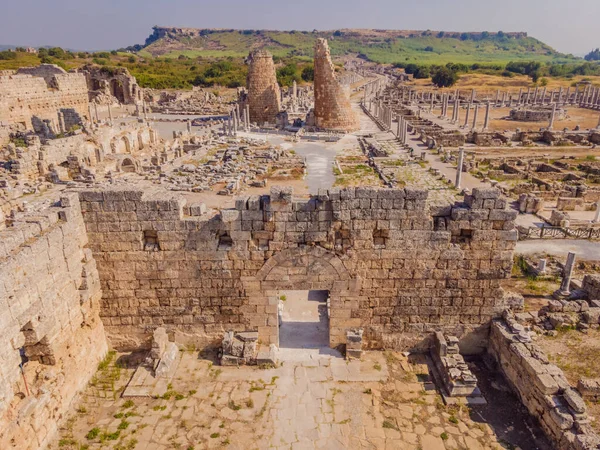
pixel 7 47
pixel 384 46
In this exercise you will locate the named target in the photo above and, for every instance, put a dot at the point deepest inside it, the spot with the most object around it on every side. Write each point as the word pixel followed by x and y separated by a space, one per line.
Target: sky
pixel 570 27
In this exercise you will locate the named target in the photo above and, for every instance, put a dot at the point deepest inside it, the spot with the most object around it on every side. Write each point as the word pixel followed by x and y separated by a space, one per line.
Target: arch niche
pixel 303 268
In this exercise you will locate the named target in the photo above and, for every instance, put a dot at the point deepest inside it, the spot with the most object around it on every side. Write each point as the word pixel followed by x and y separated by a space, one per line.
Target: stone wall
pixel 45 71
pixel 49 302
pixel 591 285
pixel 28 101
pixel 264 98
pixel 332 105
pixel 543 388
pixel 392 266
pixel 107 85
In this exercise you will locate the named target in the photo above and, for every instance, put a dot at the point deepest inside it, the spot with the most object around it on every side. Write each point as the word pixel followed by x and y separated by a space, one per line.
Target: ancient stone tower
pixel 332 105
pixel 263 90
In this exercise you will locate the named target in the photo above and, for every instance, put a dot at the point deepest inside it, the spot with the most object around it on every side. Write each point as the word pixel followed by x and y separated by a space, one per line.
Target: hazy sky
pixel 570 27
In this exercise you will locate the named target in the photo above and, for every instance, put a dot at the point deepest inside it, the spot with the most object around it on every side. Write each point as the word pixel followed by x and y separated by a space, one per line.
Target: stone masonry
pixel 392 266
pixel 263 91
pixel 51 338
pixel 332 105
pixel 34 103
pixel 542 387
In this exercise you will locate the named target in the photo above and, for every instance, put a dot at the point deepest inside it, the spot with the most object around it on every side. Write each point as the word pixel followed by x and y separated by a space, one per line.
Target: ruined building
pixel 332 105
pixel 263 91
pixel 111 84
pixel 44 99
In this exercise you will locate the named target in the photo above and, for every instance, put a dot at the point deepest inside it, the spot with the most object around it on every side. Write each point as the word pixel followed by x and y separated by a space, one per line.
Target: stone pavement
pixel 381 402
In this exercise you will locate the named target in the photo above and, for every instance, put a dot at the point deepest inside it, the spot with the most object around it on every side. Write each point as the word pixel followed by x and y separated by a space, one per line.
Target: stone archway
pixel 127 165
pixel 303 268
pixel 121 145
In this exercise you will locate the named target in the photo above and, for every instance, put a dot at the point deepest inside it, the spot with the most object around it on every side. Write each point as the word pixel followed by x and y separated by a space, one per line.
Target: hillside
pixel 383 46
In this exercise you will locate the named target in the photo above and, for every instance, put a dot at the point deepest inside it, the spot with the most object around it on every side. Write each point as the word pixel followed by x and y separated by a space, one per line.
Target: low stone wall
pixel 542 387
pixel 591 285
pixel 49 324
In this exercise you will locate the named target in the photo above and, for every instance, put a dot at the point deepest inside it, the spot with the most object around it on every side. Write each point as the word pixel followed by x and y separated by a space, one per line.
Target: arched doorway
pixel 117 90
pixel 127 165
pixel 121 145
pixel 305 268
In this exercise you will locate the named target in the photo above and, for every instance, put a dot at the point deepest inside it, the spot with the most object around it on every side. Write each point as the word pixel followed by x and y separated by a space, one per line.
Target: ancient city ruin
pixel 354 261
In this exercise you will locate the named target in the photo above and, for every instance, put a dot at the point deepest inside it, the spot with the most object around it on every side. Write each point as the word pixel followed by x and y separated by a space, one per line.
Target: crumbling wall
pixel 107 85
pixel 263 91
pixel 543 389
pixel 391 266
pixel 49 302
pixel 28 101
pixel 332 105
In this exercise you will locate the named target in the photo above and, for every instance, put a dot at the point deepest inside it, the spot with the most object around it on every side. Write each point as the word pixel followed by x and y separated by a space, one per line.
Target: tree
pixel 444 77
pixel 429 48
pixel 308 73
pixel 594 55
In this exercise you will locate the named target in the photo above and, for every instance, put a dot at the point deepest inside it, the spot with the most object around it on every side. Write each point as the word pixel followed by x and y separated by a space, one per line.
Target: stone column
pixel 468 114
pixel 475 113
pixel 497 96
pixel 568 95
pixel 61 122
pixel 473 95
pixel 189 126
pixel 528 95
pixel 398 128
pixel 431 104
pixel 560 92
pixel 519 100
pixel 96 111
pixel 544 96
pixel 90 116
pixel 247 117
pixel 552 116
pixel 504 99
pixel 487 116
pixel 541 268
pixel 565 285
pixel 110 118
pixel 461 155
pixel 597 215
pixel 455 111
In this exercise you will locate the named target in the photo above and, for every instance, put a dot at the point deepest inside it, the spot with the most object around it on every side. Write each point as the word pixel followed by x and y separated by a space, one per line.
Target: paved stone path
pixel 382 402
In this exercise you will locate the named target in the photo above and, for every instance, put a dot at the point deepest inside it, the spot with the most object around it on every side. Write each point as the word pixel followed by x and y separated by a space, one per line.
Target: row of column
pixel 236 121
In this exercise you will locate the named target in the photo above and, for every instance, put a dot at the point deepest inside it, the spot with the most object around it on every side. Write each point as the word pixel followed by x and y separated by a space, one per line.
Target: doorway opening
pixel 303 324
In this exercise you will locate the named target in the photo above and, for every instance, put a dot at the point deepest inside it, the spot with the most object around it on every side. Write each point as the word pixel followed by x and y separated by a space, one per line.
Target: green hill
pixel 383 46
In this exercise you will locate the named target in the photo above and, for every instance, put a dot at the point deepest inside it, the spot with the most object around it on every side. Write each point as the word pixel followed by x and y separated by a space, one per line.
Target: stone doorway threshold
pixel 304 326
